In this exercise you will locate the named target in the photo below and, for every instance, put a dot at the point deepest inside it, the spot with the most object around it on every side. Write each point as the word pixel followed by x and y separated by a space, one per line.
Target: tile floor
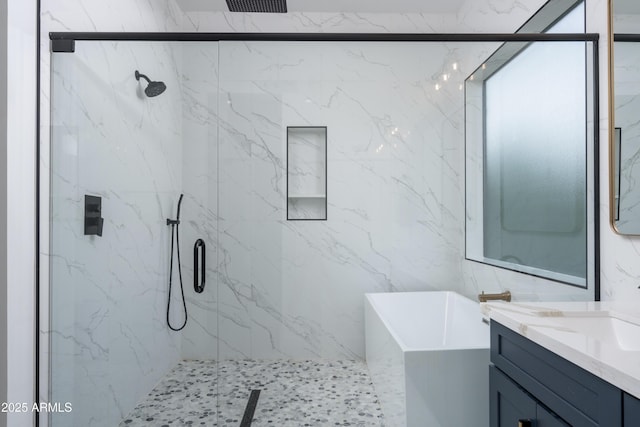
pixel 293 394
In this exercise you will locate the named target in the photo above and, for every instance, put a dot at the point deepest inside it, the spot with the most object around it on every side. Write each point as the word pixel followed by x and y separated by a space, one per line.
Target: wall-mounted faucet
pixel 504 296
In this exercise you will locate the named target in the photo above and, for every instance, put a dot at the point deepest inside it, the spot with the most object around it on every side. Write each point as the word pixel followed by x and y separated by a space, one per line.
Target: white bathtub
pixel 428 355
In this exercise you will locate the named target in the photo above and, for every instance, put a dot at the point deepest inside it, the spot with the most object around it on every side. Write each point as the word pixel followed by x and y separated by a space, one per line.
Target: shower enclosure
pixel 110 341
pixel 283 298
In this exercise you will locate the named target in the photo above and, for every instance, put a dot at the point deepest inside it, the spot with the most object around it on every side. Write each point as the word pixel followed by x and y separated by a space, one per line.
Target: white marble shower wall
pixel 109 340
pixel 294 289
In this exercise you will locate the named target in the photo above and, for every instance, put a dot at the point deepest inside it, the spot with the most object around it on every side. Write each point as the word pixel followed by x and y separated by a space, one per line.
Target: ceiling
pixel 333 6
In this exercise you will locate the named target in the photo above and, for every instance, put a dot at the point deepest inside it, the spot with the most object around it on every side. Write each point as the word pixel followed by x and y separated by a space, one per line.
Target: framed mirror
pixel 624 105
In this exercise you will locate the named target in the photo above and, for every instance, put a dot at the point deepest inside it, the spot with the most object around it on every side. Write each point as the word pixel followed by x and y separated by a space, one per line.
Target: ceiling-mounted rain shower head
pixel 153 88
pixel 264 6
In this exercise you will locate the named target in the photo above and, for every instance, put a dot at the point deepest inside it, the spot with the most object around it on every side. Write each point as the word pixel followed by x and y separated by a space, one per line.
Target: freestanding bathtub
pixel 428 355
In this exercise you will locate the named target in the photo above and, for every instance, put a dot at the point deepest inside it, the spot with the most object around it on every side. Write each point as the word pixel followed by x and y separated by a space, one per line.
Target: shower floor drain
pixel 250 409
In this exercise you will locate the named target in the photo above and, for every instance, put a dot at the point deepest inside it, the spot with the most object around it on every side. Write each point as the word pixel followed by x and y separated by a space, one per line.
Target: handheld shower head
pixel 153 88
pixel 179 203
pixel 176 221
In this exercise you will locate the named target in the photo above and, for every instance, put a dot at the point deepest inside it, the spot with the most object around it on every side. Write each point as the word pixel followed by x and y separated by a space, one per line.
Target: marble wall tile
pixel 625 23
pixel 295 288
pixel 318 22
pixel 501 16
pixel 115 15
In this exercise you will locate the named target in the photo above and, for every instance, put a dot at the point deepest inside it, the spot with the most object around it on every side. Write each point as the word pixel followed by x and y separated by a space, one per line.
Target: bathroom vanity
pixel 564 364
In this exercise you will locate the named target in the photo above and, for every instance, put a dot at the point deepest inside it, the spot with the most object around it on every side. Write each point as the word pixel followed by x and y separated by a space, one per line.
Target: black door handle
pixel 199 268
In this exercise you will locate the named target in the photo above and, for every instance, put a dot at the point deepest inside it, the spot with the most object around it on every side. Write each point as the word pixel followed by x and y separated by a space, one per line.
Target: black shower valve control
pixel 93 221
pixel 173 221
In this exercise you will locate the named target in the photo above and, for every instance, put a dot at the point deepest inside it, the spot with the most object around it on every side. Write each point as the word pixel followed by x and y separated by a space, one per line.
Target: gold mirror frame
pixel 612 123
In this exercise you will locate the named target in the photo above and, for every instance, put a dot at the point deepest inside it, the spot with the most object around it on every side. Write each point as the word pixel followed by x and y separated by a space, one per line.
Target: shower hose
pixel 175 226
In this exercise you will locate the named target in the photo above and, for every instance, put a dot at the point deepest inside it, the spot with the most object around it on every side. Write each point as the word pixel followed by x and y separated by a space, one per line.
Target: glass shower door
pixel 123 151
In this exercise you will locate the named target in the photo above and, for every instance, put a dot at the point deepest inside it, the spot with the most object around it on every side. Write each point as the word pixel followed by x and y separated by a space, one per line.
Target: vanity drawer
pixel 577 396
pixel 511 405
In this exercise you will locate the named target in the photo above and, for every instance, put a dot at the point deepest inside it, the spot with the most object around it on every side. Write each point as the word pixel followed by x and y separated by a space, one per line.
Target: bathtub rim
pixel 370 297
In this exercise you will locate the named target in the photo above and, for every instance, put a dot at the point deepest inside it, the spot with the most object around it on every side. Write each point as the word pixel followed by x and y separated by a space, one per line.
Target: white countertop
pixel 606 359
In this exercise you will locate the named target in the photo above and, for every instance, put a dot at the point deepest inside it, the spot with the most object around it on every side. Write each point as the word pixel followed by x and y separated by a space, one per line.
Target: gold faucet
pixel 504 296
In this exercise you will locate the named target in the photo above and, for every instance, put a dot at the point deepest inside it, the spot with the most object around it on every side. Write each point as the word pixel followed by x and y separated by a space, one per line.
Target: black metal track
pixel 596 171
pixel 626 37
pixel 37 284
pixel 343 37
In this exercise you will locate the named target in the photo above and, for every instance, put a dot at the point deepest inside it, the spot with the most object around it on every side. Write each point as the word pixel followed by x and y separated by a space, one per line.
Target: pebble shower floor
pixel 293 394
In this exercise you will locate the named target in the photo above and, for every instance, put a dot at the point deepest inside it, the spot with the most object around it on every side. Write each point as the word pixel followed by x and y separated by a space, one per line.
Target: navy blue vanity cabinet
pixel 631 411
pixel 532 386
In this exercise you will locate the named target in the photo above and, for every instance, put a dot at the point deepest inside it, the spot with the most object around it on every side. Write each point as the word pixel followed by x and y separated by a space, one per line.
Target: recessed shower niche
pixel 306 173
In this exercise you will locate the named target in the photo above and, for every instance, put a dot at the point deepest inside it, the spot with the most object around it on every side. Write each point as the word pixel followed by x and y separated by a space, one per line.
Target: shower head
pixel 153 88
